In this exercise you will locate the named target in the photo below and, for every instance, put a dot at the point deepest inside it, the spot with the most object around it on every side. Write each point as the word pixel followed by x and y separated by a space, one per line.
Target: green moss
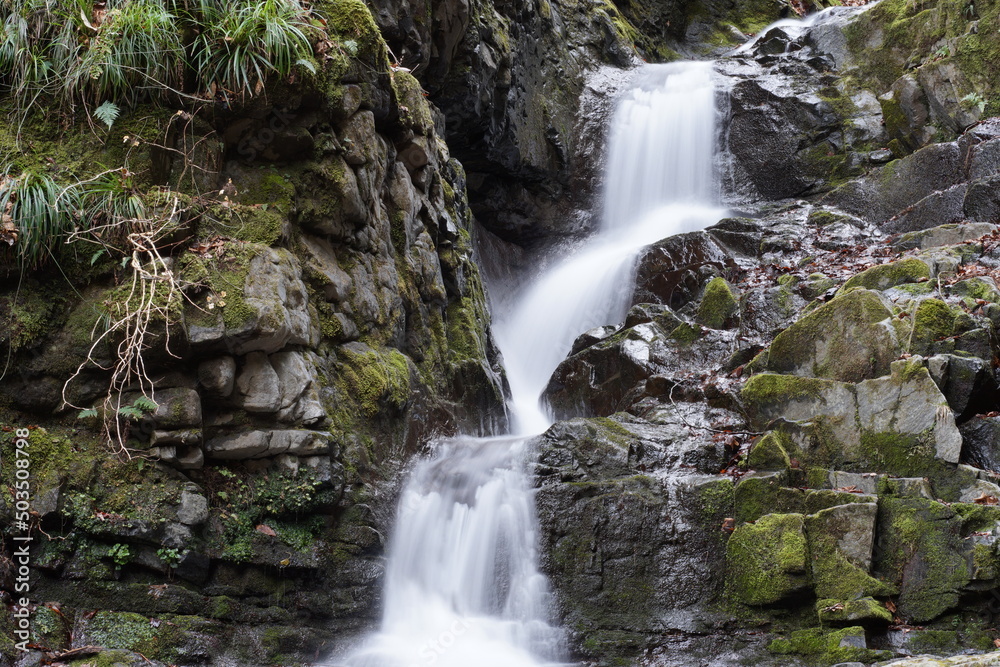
pixel 770 389
pixel 225 277
pixel 374 381
pixel 718 304
pixel 839 612
pixel 834 575
pixel 770 452
pixel 767 561
pixel 920 547
pixel 351 21
pixel 759 496
pixel 253 224
pixel 824 646
pixel 843 339
pixel 715 502
pixel 122 630
pixel 268 188
pixel 414 111
pixel 28 314
pixel 822 218
pixel 933 320
pixel 685 333
pixel 884 276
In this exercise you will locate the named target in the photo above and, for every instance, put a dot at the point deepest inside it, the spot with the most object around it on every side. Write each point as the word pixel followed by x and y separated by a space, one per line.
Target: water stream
pixel 462 583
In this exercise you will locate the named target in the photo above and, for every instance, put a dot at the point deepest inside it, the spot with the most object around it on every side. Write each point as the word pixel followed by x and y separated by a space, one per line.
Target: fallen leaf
pixel 985 499
pixel 266 530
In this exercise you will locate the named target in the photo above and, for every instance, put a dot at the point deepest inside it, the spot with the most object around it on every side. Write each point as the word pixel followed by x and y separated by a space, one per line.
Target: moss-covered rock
pixel 718 305
pixel 865 610
pixel 828 647
pixel 884 276
pixel 756 496
pixel 840 548
pixel 920 548
pixel 770 452
pixel 767 561
pixel 851 338
pixel 932 321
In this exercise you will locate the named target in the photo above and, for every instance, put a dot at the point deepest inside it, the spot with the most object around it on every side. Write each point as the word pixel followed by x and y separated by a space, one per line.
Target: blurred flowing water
pixel 462 581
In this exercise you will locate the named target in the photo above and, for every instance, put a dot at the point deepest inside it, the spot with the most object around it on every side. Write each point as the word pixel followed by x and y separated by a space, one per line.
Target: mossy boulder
pixel 840 549
pixel 850 339
pixel 757 496
pixel 921 549
pixel 827 647
pixel 884 276
pixel 768 561
pixel 900 424
pixel 718 305
pixel 933 321
pixel 770 452
pixel 865 610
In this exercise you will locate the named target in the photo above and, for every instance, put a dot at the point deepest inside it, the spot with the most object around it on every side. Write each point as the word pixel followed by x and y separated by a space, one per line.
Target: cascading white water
pixel 659 181
pixel 462 582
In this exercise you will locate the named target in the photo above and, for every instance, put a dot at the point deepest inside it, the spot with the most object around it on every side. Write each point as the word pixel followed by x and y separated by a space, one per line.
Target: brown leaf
pixel 996 642
pixel 266 530
pixel 985 499
pixel 728 524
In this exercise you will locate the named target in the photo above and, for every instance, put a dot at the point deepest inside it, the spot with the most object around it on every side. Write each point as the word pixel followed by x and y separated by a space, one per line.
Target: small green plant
pixel 139 408
pixel 170 556
pixel 241 43
pixel 107 113
pixel 974 101
pixel 134 49
pixel 120 554
pixel 40 212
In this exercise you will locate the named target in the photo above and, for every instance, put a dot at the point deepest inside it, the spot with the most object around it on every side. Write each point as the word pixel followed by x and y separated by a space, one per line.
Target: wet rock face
pixel 940 183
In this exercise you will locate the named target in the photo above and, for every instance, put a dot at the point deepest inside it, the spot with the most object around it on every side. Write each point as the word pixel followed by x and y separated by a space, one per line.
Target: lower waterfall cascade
pixel 462 583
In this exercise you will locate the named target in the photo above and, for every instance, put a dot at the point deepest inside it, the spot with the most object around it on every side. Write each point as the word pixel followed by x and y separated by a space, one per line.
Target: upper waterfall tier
pixel 660 181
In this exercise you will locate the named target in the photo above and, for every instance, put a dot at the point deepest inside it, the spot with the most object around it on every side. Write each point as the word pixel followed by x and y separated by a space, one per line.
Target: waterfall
pixel 659 181
pixel 462 581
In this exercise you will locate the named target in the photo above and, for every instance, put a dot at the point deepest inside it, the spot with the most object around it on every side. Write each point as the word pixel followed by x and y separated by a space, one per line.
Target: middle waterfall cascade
pixel 659 181
pixel 462 584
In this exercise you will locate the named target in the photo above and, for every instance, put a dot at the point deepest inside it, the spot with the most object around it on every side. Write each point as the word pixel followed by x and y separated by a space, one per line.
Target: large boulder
pixel 900 424
pixel 851 338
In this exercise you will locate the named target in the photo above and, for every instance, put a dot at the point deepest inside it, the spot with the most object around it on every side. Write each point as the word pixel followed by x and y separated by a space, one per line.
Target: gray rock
pixel 981 442
pixel 258 388
pixel 944 235
pixel 189 437
pixel 193 510
pixel 260 444
pixel 947 206
pixel 980 488
pixel 177 408
pixel 864 482
pixel 901 183
pixel 965 381
pixel 177 536
pixel 982 202
pixel 322 259
pixel 849 339
pixel 298 386
pixel 668 271
pixel 216 376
